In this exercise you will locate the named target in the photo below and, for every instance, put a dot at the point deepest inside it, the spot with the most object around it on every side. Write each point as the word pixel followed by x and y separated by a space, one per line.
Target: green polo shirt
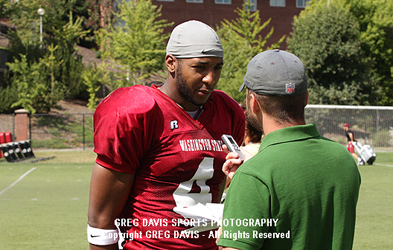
pixel 299 192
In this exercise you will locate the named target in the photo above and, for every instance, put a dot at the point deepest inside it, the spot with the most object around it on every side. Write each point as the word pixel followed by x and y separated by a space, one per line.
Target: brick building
pixel 213 12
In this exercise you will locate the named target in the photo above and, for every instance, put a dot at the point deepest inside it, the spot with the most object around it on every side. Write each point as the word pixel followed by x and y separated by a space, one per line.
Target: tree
pixel 68 73
pixel 327 41
pixel 6 8
pixel 241 40
pixel 375 29
pixel 45 74
pixel 94 77
pixel 51 63
pixel 8 96
pixel 100 13
pixel 57 14
pixel 29 83
pixel 135 44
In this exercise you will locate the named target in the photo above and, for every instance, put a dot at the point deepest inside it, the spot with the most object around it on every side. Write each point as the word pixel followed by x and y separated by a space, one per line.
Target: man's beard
pixel 252 119
pixel 184 89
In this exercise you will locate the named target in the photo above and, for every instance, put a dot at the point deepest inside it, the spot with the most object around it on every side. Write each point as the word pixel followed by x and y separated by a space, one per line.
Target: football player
pixel 159 148
pixel 351 140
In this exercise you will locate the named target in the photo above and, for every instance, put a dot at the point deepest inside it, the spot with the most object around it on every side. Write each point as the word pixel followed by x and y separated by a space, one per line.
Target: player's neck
pixel 174 94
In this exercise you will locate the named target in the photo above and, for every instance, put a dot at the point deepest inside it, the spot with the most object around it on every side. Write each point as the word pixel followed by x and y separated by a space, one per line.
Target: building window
pixel 253 5
pixel 194 1
pixel 223 1
pixel 277 3
pixel 301 3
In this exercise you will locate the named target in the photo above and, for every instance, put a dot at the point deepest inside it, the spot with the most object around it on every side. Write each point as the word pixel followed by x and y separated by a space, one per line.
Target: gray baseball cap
pixel 194 39
pixel 275 72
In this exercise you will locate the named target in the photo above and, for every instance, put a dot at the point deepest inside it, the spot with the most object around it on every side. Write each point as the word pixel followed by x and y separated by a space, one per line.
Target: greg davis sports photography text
pixel 156 228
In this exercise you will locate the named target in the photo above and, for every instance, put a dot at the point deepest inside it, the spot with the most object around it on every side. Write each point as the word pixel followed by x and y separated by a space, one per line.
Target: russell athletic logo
pixel 174 124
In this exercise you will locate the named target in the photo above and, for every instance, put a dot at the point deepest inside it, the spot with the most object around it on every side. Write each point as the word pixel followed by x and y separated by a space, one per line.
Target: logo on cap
pixel 207 51
pixel 289 88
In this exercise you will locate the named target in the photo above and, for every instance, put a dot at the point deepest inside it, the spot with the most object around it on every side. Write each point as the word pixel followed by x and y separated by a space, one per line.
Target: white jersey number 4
pixel 182 195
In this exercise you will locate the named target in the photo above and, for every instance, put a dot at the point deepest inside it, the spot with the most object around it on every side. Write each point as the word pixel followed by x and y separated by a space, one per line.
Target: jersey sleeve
pixel 123 128
pixel 248 199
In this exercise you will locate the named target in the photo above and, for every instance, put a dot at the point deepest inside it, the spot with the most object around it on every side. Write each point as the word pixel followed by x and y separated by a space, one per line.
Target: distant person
pixel 301 190
pixel 351 140
pixel 159 148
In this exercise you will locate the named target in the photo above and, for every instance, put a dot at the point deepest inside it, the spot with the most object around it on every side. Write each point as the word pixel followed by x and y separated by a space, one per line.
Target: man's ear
pixel 171 63
pixel 307 99
pixel 254 104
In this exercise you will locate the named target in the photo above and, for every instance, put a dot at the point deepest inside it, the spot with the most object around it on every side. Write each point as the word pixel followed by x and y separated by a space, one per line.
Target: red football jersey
pixel 176 160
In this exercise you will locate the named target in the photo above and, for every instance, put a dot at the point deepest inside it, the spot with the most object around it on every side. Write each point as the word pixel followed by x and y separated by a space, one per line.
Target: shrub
pixel 8 96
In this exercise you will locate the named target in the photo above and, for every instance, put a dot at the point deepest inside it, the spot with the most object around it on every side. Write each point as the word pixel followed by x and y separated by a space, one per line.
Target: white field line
pixel 385 165
pixel 18 180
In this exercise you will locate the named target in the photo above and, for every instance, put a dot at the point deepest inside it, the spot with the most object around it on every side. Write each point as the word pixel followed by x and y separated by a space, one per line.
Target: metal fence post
pixel 83 122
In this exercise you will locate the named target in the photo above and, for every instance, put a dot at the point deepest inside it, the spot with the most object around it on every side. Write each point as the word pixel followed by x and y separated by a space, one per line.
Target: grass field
pixel 43 205
pixel 47 209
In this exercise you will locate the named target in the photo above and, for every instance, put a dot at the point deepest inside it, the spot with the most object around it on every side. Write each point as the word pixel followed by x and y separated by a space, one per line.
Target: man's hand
pixel 231 164
pixel 233 161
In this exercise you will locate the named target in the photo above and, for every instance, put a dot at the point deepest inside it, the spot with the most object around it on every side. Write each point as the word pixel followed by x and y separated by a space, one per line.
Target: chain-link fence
pixel 371 125
pixel 7 123
pixel 61 131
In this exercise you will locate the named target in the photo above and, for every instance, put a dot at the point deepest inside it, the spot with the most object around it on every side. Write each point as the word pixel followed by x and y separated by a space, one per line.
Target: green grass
pixel 65 131
pixel 374 224
pixel 47 209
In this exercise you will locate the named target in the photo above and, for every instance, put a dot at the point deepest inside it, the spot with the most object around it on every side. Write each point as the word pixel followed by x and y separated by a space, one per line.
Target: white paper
pixel 210 214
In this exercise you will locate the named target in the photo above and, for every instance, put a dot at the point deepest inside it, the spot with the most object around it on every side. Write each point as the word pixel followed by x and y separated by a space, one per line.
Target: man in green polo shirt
pixel 301 190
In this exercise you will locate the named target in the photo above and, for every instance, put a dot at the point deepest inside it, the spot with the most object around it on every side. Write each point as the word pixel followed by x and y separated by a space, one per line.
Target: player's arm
pixel 109 191
pixel 351 137
pixel 227 248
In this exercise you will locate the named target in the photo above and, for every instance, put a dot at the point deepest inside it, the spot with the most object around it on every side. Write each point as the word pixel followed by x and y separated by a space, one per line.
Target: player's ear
pixel 171 63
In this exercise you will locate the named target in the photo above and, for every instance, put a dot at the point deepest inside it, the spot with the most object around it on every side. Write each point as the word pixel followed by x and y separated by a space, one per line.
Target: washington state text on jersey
pixel 201 145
